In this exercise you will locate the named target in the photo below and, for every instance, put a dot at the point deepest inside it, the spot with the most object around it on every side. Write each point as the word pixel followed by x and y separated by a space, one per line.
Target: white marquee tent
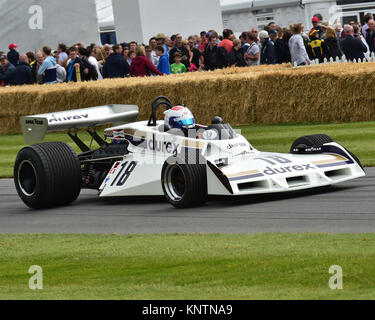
pixel 105 11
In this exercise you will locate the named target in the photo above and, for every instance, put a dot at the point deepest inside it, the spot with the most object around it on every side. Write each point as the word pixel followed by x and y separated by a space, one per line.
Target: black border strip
pixel 223 179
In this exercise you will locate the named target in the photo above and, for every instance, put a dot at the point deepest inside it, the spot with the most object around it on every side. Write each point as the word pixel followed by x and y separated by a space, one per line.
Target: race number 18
pixel 122 176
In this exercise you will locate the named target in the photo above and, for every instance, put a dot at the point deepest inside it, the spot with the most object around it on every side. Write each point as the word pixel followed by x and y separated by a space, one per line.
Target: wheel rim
pixel 174 182
pixel 26 177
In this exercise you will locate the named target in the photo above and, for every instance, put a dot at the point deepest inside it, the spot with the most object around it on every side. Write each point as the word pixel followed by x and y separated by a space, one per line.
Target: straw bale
pixel 255 95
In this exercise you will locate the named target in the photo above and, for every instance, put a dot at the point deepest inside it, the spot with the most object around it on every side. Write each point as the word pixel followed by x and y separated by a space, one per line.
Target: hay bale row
pixel 262 95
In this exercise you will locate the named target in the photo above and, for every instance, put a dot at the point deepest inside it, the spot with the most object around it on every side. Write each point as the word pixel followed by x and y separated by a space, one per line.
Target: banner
pixel 32 24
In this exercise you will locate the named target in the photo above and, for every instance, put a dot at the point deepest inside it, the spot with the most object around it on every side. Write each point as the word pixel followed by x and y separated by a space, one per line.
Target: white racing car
pixel 177 158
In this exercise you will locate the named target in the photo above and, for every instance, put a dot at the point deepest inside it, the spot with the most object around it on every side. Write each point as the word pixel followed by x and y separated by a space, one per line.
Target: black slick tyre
pixel 184 184
pixel 48 175
pixel 313 141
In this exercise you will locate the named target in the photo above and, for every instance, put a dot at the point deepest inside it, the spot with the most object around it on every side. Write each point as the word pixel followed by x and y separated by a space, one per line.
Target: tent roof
pixel 106 19
pixel 260 4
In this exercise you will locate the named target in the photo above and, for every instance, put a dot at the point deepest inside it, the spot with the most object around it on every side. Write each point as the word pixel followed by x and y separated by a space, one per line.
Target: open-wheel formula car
pixel 149 158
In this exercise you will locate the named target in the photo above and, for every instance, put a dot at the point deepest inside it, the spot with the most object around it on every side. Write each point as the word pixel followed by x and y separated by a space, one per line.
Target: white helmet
pixel 179 117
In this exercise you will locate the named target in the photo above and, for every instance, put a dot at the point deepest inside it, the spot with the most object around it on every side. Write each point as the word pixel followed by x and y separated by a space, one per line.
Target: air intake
pixel 294 182
pixel 254 186
pixel 338 174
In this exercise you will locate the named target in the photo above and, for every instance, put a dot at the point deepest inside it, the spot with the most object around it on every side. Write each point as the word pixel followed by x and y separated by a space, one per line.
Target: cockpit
pixel 217 130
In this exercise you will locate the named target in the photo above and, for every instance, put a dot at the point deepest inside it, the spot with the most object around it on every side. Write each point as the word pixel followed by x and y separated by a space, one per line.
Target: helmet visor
pixel 186 122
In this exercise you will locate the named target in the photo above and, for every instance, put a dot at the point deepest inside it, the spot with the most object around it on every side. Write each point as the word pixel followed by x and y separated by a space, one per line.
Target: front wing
pixel 271 172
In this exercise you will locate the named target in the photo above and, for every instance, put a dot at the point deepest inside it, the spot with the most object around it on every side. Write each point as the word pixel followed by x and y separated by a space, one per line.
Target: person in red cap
pixel 316 26
pixel 13 55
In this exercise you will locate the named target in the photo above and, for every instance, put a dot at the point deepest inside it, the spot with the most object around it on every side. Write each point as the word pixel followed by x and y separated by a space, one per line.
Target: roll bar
pixel 155 105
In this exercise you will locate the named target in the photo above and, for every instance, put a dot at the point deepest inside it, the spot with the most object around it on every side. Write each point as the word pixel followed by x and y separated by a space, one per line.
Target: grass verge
pixel 359 138
pixel 264 266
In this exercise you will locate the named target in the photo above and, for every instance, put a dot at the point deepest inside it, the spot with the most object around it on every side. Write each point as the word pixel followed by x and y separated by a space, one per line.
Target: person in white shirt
pixel 60 71
pixel 252 54
pixel 61 52
pixel 297 47
pixel 92 60
pixel 154 57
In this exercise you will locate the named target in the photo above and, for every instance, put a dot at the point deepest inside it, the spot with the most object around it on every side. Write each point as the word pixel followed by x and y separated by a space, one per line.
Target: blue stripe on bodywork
pixel 336 164
pixel 247 177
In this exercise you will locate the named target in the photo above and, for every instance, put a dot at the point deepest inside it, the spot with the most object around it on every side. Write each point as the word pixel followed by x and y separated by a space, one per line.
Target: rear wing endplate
pixel 35 127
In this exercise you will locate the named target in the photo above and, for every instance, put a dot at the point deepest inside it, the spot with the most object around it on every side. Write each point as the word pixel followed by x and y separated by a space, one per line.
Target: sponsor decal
pixel 116 135
pixel 139 139
pixel 68 118
pixel 158 146
pixel 231 146
pixel 161 146
pixel 309 150
pixel 210 135
pixel 111 173
pixel 269 172
pixel 119 133
pixel 34 121
pixel 272 171
pixel 109 134
pixel 113 170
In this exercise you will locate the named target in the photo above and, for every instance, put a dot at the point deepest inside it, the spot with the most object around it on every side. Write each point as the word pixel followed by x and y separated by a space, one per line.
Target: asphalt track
pixel 348 207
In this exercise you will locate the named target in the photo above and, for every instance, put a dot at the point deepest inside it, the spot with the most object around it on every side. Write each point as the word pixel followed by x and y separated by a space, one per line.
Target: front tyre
pixel 47 175
pixel 184 185
pixel 310 144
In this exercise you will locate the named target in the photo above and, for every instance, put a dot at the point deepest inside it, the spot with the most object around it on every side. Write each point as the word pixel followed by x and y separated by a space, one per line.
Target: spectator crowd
pixel 165 55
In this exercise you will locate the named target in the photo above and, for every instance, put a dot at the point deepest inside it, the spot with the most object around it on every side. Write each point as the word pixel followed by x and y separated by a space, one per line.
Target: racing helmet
pixel 179 117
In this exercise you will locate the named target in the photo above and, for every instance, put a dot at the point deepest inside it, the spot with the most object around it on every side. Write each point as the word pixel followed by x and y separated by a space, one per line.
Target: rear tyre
pixel 48 175
pixel 313 141
pixel 184 185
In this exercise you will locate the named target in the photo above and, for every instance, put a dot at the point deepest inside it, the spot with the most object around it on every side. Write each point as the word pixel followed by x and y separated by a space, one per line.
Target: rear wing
pixel 35 127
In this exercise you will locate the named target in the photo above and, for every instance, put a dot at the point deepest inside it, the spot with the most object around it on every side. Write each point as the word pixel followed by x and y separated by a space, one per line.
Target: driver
pixel 179 117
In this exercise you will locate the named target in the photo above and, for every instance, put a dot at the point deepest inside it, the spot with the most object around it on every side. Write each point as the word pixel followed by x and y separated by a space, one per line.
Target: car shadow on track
pixel 85 201
pixel 264 198
pixel 228 201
